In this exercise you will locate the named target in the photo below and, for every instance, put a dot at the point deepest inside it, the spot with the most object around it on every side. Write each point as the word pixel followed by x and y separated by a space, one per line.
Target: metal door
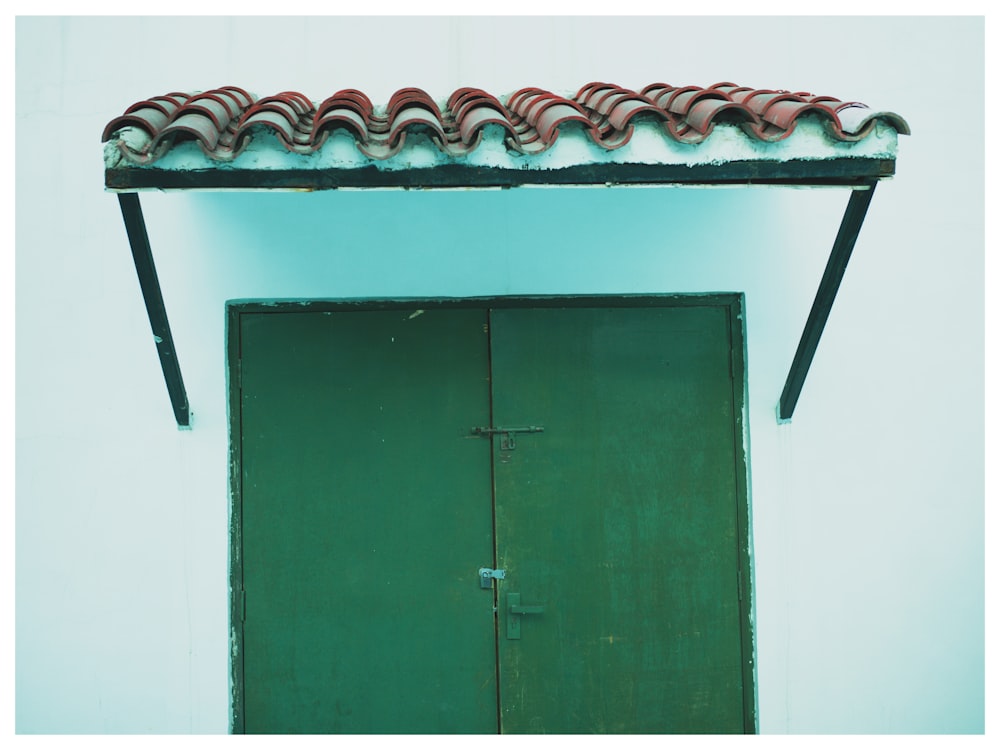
pixel 619 526
pixel 364 519
pixel 491 518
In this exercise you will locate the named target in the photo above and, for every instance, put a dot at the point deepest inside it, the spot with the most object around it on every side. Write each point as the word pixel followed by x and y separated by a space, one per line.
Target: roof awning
pixel 228 139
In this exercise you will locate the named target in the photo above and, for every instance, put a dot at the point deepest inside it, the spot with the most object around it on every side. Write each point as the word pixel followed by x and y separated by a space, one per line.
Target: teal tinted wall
pixel 868 509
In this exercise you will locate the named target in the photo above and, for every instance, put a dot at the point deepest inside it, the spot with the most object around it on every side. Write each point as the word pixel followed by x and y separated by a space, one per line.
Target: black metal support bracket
pixel 142 254
pixel 850 228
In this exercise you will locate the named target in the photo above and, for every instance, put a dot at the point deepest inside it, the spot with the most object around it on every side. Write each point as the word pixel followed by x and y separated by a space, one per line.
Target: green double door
pixel 490 518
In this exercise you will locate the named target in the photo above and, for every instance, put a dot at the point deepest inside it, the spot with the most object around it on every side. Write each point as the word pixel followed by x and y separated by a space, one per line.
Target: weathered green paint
pixel 622 519
pixel 622 527
pixel 365 521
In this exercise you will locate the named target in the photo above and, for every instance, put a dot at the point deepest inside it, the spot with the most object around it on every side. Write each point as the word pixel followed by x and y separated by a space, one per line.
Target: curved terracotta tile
pixel 785 113
pixel 554 115
pixel 828 100
pixel 289 108
pixel 151 114
pixel 347 98
pixel 172 100
pixel 606 100
pixel 682 101
pixel 471 109
pixel 150 119
pixel 167 104
pixel 476 118
pixel 530 105
pixel 291 99
pixel 221 120
pixel 733 90
pixel 463 98
pixel 682 131
pixel 349 109
pixel 416 118
pixel 677 100
pixel 410 97
pixel 381 150
pixel 272 121
pixel 459 95
pixel 273 109
pixel 221 106
pixel 546 111
pixel 301 102
pixel 199 126
pixel 243 97
pixel 612 110
pixel 515 100
pixel 624 111
pixel 857 121
pixel 601 97
pixel 589 89
pixel 760 101
pixel 703 115
pixel 340 117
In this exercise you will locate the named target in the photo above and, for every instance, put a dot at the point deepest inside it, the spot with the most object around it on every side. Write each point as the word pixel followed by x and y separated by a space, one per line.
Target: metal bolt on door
pixel 481 519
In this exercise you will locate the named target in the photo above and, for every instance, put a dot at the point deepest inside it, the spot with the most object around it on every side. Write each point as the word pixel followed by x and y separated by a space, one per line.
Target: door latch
pixel 486 576
pixel 514 612
pixel 507 441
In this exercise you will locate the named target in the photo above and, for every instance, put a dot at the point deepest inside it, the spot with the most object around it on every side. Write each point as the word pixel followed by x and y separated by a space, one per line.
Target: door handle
pixel 514 611
pixel 507 440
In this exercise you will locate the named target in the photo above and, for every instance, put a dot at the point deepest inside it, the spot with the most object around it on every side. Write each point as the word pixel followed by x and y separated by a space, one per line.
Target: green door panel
pixel 365 518
pixel 365 506
pixel 620 520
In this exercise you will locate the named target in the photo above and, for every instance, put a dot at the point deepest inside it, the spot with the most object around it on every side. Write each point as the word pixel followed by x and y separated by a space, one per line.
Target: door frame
pixel 733 302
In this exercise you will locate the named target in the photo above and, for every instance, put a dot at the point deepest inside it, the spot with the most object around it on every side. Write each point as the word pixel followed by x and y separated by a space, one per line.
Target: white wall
pixel 868 509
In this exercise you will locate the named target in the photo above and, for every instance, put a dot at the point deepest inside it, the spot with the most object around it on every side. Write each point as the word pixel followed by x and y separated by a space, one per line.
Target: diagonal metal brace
pixel 142 254
pixel 850 227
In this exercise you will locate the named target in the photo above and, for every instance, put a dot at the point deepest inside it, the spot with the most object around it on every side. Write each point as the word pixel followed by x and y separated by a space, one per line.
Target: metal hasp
pixel 142 254
pixel 507 440
pixel 850 227
pixel 487 575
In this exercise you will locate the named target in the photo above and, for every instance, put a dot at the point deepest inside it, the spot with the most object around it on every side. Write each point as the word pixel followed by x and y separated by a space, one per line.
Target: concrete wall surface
pixel 868 508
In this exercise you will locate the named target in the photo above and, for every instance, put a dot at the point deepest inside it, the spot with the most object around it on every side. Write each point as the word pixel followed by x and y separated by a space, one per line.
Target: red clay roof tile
pixel 221 121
